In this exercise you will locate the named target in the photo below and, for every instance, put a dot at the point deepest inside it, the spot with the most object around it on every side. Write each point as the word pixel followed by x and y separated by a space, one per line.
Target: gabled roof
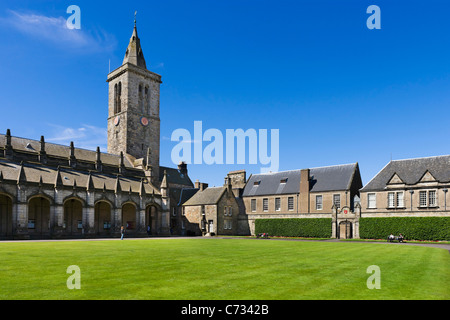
pixel 411 171
pixel 331 178
pixel 207 196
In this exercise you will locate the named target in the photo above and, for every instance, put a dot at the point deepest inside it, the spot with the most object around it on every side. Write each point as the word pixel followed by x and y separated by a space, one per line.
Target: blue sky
pixel 337 91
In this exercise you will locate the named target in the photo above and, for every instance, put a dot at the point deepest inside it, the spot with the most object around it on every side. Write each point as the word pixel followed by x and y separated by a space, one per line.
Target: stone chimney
pixel 200 185
pixel 304 191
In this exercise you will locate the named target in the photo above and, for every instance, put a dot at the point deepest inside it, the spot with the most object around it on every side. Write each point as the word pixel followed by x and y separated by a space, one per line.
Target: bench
pixel 395 239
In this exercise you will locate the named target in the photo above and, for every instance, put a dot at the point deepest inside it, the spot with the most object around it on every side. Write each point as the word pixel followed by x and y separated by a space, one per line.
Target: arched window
pixel 115 98
pixel 119 98
pixel 147 99
pixel 141 99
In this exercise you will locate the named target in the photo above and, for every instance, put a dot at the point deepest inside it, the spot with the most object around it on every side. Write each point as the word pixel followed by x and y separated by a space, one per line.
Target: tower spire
pixel 134 54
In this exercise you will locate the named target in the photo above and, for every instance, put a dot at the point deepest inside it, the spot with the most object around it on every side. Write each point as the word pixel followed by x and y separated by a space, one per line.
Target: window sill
pixel 395 208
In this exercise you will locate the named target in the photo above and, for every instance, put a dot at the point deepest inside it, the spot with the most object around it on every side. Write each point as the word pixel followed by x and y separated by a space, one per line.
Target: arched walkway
pixel 129 217
pixel 73 217
pixel 102 218
pixel 5 216
pixel 39 217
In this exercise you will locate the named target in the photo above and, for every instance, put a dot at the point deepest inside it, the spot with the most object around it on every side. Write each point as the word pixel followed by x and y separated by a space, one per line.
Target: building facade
pixel 410 187
pixel 305 193
pixel 55 191
pixel 216 210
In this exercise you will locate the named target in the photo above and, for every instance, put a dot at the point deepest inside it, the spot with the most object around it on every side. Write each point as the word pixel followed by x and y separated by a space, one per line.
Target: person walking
pixel 122 232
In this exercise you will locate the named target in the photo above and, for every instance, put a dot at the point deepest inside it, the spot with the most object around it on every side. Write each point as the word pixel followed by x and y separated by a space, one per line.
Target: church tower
pixel 133 111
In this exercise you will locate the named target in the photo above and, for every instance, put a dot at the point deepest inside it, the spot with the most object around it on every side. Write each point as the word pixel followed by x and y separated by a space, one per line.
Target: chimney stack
pixel 200 185
pixel 304 191
pixel 182 167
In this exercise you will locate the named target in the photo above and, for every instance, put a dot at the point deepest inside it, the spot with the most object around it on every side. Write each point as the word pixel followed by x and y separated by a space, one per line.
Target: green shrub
pixel 412 228
pixel 295 227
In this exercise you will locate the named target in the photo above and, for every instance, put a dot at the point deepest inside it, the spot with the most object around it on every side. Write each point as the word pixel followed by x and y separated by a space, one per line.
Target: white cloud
pixel 85 137
pixel 55 31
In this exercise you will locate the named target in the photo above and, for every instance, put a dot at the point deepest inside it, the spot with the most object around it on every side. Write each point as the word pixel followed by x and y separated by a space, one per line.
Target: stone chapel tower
pixel 133 111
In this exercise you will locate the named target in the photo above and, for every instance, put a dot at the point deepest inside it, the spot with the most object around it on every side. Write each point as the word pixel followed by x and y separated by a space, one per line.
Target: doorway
pixel 345 230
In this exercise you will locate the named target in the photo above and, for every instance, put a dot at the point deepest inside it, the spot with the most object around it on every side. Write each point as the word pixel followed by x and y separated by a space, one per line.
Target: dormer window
pixel 257 183
pixel 284 180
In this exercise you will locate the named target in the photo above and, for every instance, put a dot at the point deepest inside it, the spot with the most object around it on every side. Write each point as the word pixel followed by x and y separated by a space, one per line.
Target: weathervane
pixel 135 13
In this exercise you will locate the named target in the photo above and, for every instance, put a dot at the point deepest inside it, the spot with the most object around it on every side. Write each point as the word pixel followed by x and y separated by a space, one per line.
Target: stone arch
pixel 73 216
pixel 6 223
pixel 41 195
pixel 39 216
pixel 74 197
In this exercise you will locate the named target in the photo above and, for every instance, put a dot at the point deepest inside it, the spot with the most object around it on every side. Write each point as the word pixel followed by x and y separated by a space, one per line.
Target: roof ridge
pixel 59 144
pixel 420 158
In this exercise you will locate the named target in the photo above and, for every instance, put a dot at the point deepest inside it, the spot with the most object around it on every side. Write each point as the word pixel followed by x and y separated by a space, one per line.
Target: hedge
pixel 412 228
pixel 295 227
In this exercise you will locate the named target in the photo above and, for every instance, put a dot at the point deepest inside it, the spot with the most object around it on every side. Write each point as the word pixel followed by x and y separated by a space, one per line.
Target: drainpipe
pixel 445 198
pixel 411 192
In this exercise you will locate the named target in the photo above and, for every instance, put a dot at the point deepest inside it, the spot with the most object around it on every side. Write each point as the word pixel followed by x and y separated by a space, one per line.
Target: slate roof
pixel 410 171
pixel 331 178
pixel 207 196
pixel 68 177
pixel 62 151
pixel 174 176
pixel 186 194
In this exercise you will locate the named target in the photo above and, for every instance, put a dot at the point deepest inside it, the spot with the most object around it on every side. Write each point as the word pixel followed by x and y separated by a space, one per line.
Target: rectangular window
pixel 253 205
pixel 265 204
pixel 319 205
pixel 337 200
pixel 228 224
pixel 396 200
pixel 371 200
pixel 432 198
pixel 391 200
pixel 400 200
pixel 290 203
pixel 422 199
pixel 228 211
pixel 277 204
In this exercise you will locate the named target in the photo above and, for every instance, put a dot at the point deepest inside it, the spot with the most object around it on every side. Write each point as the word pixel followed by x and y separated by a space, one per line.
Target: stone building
pixel 410 187
pixel 216 210
pixel 55 191
pixel 322 192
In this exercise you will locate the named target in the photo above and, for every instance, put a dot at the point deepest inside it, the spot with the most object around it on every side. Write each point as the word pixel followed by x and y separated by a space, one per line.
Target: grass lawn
pixel 229 269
